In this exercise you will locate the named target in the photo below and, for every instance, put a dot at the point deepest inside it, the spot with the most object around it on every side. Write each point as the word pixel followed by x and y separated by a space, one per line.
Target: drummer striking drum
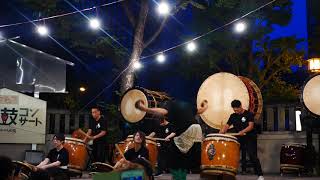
pixel 185 152
pixel 55 164
pixel 243 122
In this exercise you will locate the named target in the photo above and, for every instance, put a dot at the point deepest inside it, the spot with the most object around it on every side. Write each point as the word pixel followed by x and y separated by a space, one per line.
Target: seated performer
pixel 243 122
pixel 55 164
pixel 138 154
pixel 185 151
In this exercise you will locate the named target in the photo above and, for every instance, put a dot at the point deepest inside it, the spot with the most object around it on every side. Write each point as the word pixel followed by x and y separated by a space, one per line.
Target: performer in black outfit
pixel 97 132
pixel 55 164
pixel 166 130
pixel 243 122
pixel 139 154
pixel 185 150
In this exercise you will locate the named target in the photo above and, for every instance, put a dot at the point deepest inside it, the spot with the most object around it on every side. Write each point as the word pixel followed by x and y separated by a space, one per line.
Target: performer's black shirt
pixel 164 131
pixel 62 156
pixel 97 127
pixel 180 114
pixel 241 121
pixel 137 157
pixel 132 155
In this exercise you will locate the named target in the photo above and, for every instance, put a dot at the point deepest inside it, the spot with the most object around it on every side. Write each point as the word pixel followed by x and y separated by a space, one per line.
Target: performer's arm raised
pixel 156 111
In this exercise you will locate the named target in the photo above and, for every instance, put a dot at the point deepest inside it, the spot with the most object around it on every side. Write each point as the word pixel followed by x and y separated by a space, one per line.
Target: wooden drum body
pixel 220 90
pixel 150 98
pixel 78 154
pixel 310 95
pixel 220 154
pixel 292 157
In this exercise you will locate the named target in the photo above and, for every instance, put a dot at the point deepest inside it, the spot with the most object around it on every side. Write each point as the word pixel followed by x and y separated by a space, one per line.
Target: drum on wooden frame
pixel 220 90
pixel 150 98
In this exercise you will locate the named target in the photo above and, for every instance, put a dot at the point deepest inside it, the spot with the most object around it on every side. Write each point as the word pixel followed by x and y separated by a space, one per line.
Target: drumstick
pixel 121 153
pixel 235 134
pixel 83 133
pixel 160 139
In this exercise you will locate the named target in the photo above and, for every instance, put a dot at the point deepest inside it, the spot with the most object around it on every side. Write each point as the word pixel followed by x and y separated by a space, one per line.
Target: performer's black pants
pixel 99 152
pixel 189 161
pixel 249 144
pixel 163 157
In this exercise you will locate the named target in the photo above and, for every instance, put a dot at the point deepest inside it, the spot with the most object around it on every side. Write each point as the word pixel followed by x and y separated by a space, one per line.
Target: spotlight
pixel 240 27
pixel 42 30
pixel 191 46
pixel 94 23
pixel 137 65
pixel 161 58
pixel 163 8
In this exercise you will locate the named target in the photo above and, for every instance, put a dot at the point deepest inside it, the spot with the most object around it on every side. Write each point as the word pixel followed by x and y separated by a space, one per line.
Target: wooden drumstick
pixel 234 134
pixel 160 139
pixel 121 153
pixel 85 134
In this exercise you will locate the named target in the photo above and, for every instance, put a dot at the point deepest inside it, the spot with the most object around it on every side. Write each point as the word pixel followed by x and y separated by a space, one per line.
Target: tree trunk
pixel 128 77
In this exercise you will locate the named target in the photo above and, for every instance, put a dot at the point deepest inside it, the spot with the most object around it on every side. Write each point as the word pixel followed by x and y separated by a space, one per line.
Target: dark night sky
pixel 296 27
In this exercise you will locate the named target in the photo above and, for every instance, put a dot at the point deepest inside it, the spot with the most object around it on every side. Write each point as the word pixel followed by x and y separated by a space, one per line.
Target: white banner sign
pixel 22 118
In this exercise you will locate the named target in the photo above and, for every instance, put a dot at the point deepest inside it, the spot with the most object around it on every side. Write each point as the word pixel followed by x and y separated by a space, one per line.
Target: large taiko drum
pixel 151 145
pixel 78 154
pixel 292 157
pixel 220 154
pixel 150 98
pixel 310 95
pixel 220 90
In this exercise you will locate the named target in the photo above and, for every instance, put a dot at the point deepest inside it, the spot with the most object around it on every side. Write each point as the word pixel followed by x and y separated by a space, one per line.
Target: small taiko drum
pixel 310 95
pixel 220 90
pixel 151 99
pixel 151 145
pixel 23 170
pixel 220 154
pixel 292 157
pixel 101 167
pixel 78 154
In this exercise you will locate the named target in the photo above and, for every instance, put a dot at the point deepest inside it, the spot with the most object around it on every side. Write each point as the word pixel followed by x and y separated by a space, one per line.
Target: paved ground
pixel 238 177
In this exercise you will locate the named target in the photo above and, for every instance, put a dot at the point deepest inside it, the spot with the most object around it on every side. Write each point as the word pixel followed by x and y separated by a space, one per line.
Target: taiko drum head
pixel 220 90
pixel 311 95
pixel 128 109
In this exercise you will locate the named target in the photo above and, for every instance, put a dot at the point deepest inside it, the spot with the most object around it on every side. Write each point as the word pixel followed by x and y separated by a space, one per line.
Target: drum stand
pixel 90 159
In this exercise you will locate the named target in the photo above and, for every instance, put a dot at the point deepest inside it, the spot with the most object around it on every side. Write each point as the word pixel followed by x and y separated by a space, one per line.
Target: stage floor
pixel 238 177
